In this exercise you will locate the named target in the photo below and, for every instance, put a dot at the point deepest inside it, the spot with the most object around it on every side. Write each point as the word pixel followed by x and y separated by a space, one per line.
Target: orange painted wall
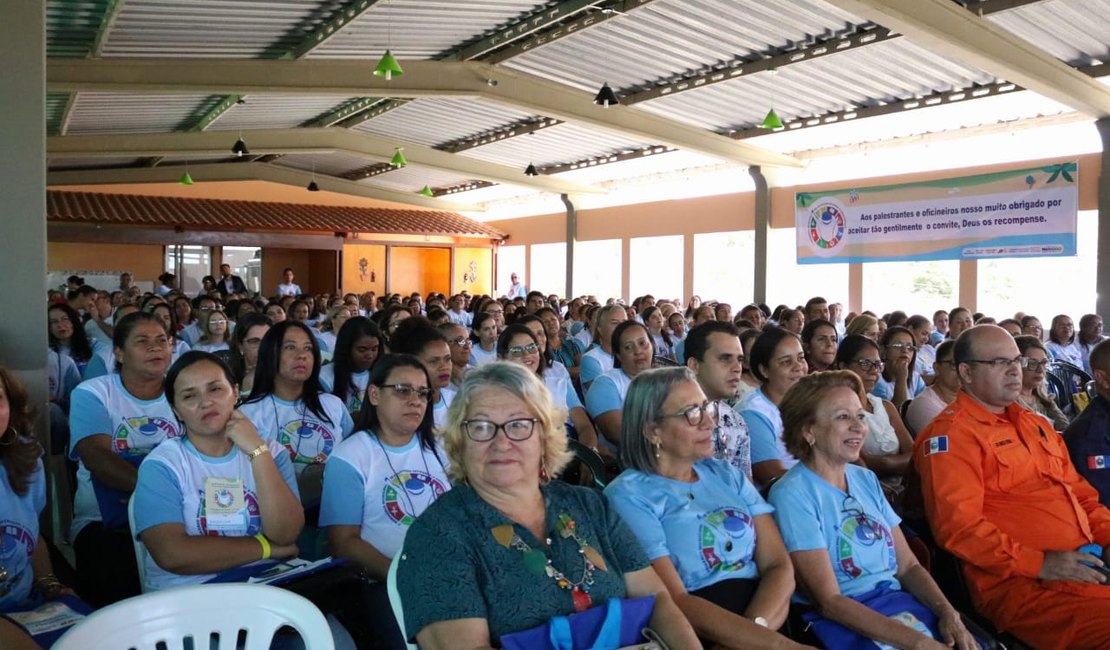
pixel 415 268
pixel 356 278
pixel 473 271
pixel 144 261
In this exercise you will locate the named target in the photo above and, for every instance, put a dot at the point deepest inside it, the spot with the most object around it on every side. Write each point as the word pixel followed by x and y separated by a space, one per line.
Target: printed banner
pixel 1019 213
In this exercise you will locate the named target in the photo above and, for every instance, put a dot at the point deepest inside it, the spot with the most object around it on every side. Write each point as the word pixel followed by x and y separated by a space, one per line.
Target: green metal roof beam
pixel 111 13
pixel 331 27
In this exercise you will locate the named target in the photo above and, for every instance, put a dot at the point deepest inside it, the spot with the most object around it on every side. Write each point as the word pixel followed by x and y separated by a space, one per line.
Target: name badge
pixel 223 504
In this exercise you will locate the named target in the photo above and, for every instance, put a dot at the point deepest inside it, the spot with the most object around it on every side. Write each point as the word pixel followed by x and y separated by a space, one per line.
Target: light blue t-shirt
pixel 680 351
pixel 595 362
pixel 480 357
pixel 308 438
pixel 885 389
pixel 855 530
pixel 765 426
pixel 706 527
pixel 19 519
pixel 607 393
pixel 356 388
pixel 171 490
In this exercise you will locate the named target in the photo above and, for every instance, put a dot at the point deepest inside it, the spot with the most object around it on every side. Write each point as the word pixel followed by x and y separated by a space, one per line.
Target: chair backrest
pixel 590 460
pixel 1059 391
pixel 140 549
pixel 203 613
pixel 395 596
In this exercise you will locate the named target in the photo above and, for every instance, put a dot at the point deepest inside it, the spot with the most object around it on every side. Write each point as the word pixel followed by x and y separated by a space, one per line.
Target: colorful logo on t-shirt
pixel 354 401
pixel 250 515
pixel 308 441
pixel 727 539
pixel 139 435
pixel 863 535
pixel 407 493
pixel 16 547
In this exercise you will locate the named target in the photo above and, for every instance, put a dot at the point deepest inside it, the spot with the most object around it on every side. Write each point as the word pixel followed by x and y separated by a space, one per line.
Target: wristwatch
pixel 257 451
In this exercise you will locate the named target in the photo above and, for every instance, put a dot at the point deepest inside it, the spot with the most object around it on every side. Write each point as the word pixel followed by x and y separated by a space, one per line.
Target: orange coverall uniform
pixel 1000 490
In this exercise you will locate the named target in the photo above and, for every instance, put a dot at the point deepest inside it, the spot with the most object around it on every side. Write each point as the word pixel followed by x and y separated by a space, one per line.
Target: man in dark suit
pixel 230 283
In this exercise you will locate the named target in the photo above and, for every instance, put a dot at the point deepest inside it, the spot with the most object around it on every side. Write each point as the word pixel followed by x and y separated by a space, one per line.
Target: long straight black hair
pixel 368 417
pixel 354 329
pixel 269 352
pixel 79 347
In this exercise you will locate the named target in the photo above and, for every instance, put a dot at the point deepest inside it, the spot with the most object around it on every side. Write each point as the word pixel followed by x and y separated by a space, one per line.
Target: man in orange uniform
pixel 1003 496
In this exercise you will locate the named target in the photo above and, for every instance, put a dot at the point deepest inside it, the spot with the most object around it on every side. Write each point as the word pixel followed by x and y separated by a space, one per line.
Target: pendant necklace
pixel 537 562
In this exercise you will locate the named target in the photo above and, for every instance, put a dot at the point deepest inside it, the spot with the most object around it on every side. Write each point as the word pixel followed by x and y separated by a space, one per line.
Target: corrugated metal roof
pixel 214 28
pixel 127 113
pixel 670 37
pixel 1075 31
pixel 421 29
pixel 55 108
pixel 274 112
pixel 72 26
pixel 433 122
pixel 887 71
pixel 90 207
pixel 413 178
pixel 332 164
pixel 92 163
pixel 562 143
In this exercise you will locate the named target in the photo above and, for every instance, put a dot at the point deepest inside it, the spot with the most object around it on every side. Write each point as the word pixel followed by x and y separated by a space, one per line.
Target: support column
pixel 1102 266
pixel 762 225
pixel 572 240
pixel 969 284
pixel 855 288
pixel 626 270
pixel 687 267
pixel 23 186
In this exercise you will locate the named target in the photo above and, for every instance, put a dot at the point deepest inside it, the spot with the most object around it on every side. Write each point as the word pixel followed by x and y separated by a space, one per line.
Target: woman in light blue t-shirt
pixel 708 533
pixel 842 535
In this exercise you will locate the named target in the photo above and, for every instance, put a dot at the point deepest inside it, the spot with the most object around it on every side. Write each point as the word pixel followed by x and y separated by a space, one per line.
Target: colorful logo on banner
pixel 827 226
pixel 308 441
pixel 408 493
pixel 726 537
pixel 141 434
pixel 251 515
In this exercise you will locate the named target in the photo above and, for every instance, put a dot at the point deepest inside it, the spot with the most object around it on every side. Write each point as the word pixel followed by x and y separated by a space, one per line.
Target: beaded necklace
pixel 537 562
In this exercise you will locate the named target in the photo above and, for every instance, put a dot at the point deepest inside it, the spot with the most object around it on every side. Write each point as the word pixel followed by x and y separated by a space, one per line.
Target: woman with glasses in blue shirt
pixel 843 536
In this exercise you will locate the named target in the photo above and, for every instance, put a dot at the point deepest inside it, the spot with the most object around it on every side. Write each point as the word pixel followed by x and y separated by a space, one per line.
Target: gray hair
pixel 643 406
pixel 523 384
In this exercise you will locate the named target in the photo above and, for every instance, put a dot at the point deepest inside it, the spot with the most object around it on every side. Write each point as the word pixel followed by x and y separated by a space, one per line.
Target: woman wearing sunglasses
pixel 849 555
pixel 381 478
pixel 708 533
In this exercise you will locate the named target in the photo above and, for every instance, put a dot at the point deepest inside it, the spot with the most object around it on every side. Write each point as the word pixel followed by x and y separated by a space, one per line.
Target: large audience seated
pixel 760 492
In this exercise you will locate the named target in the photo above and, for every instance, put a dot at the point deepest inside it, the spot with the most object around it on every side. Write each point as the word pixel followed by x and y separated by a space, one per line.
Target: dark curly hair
pixel 19 453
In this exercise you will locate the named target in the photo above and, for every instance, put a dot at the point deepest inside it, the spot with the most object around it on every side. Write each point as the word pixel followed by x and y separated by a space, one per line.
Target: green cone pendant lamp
pixel 398 159
pixel 388 67
pixel 772 121
pixel 427 191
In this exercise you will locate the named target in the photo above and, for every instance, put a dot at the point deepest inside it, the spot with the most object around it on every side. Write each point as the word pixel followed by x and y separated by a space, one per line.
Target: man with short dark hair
pixel 230 283
pixel 817 308
pixel 714 353
pixel 534 301
pixel 1088 436
pixel 1003 496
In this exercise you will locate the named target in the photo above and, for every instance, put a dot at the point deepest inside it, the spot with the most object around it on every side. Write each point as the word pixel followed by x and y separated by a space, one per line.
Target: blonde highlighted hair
pixel 523 384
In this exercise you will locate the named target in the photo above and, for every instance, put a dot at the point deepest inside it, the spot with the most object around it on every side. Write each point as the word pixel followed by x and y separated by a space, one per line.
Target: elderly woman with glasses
pixel 708 533
pixel 1034 361
pixel 508 548
pixel 843 536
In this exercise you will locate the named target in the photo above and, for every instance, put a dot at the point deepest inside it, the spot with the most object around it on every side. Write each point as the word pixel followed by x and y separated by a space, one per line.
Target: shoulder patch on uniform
pixel 1096 462
pixel 936 445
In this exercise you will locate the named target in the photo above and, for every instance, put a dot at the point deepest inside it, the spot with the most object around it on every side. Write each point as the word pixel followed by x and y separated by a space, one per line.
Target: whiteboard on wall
pixel 106 280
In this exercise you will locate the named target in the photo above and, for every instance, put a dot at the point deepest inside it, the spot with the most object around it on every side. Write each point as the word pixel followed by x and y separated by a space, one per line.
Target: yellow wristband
pixel 265 545
pixel 257 451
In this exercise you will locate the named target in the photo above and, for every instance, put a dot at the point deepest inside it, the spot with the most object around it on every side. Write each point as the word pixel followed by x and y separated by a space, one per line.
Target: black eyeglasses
pixel 1033 364
pixel 516 430
pixel 866 528
pixel 868 364
pixel 404 391
pixel 696 414
pixel 1000 363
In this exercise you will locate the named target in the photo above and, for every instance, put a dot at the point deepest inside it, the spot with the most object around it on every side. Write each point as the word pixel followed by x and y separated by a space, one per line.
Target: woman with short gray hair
pixel 708 533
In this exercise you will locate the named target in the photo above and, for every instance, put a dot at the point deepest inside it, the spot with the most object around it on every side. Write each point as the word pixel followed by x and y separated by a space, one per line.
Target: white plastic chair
pixel 395 596
pixel 141 553
pixel 200 612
